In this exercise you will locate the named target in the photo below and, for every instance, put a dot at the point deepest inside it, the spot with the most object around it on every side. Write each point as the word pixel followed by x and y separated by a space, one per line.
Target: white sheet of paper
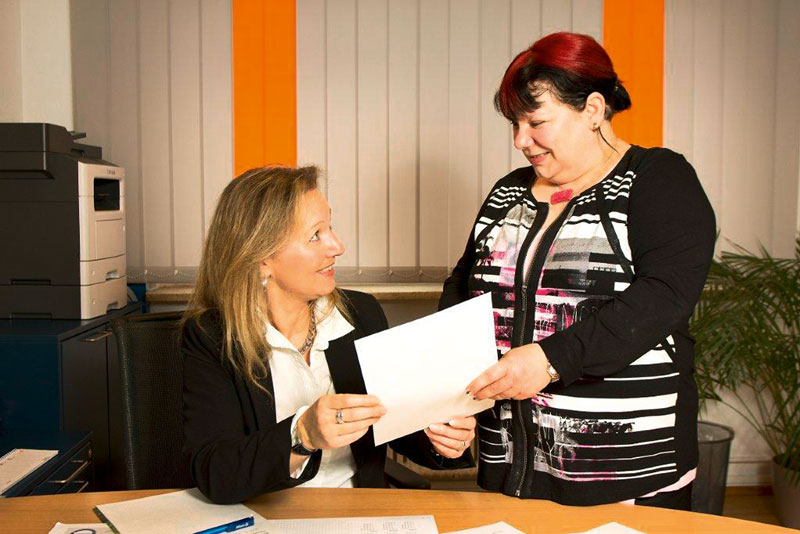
pixel 414 524
pixel 19 463
pixel 179 512
pixel 612 528
pixel 81 528
pixel 495 528
pixel 420 370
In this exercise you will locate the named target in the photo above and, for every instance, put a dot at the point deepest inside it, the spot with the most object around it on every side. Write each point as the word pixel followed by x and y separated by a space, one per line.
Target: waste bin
pixel 708 490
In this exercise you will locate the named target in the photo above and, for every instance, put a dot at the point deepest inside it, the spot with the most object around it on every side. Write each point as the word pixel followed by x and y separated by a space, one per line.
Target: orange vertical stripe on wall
pixel 633 35
pixel 264 84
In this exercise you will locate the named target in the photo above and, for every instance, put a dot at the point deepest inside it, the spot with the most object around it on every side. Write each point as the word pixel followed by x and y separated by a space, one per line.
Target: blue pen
pixel 230 527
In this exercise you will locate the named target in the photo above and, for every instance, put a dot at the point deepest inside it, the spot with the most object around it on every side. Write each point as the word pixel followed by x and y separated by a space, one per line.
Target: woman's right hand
pixel 319 428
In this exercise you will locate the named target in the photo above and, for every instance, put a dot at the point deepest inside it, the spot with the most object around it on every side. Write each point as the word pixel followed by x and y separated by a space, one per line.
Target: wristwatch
pixel 554 376
pixel 297 443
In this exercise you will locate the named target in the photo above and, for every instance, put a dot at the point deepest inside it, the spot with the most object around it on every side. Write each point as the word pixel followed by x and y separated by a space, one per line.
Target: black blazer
pixel 236 447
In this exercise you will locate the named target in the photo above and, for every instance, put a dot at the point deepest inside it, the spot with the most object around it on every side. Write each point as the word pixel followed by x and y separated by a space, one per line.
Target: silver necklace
pixel 312 333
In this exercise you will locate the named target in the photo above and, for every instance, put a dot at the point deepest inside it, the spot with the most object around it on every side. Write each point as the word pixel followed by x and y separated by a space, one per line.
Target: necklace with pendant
pixel 312 333
pixel 564 195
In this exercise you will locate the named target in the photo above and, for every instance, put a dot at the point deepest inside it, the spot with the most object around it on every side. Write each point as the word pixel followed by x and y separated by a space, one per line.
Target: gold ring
pixel 339 417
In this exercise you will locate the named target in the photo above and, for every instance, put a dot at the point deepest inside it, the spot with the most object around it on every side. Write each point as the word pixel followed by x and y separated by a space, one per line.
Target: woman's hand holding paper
pixel 321 428
pixel 520 374
pixel 453 438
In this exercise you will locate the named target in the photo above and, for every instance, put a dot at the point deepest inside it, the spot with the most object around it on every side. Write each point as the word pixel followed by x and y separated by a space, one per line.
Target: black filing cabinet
pixel 70 471
pixel 63 375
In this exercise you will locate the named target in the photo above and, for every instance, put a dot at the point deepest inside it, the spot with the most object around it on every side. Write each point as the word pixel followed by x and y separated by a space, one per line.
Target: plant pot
pixel 714 447
pixel 787 494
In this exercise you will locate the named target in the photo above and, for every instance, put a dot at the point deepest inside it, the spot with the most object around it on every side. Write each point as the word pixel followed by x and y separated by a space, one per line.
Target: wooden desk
pixel 453 510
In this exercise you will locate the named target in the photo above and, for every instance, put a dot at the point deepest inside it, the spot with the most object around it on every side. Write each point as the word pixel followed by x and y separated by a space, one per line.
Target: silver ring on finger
pixel 339 417
pixel 463 444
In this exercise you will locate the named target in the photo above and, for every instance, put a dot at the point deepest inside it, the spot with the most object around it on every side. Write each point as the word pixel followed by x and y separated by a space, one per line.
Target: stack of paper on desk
pixel 180 512
pixel 420 370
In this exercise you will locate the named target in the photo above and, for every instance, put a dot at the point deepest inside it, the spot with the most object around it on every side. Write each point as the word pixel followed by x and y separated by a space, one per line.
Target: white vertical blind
pixel 152 86
pixel 731 77
pixel 731 73
pixel 395 103
pixel 411 141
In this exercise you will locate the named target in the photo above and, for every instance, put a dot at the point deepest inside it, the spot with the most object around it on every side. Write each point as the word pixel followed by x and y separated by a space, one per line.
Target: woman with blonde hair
pixel 273 394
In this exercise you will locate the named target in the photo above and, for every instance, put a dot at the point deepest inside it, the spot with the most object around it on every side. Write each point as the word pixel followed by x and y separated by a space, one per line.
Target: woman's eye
pixel 535 124
pixel 315 237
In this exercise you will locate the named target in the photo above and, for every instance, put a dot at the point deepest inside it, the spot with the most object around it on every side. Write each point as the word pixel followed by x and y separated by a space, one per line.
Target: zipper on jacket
pixel 537 265
pixel 520 300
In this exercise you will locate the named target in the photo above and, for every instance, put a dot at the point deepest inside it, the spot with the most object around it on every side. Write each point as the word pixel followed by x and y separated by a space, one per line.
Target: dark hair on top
pixel 571 65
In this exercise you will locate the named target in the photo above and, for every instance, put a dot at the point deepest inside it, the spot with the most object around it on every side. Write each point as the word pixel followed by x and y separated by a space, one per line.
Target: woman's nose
pixel 522 139
pixel 336 247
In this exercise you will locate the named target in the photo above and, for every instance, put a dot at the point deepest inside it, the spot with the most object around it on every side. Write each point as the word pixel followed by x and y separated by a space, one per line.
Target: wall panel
pixel 464 125
pixel 403 128
pixel 526 28
pixel 587 17
pixel 372 128
pixel 216 117
pixel 156 141
pixel 342 122
pixel 152 86
pixel 730 76
pixel 434 35
pixel 785 200
pixel 495 145
pixel 312 140
pixel 124 135
pixel 185 131
pixel 556 15
pixel 412 140
pixel 705 99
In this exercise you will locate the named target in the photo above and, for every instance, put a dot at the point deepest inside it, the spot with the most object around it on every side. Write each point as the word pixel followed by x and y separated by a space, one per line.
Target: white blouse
pixel 298 384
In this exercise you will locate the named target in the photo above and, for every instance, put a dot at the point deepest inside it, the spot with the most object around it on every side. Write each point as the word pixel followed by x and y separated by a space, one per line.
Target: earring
pixel 264 283
pixel 595 127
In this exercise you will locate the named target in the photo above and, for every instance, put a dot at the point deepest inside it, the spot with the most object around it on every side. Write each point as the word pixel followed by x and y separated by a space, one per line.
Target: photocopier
pixel 62 226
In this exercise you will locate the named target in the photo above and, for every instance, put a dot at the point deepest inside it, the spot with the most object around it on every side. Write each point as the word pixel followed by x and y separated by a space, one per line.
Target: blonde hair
pixel 253 220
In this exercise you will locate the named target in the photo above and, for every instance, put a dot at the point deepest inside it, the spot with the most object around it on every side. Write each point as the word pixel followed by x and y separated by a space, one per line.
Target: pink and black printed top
pixel 608 297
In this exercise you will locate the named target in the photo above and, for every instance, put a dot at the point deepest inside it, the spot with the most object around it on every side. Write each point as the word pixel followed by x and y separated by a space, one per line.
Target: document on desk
pixel 414 524
pixel 179 512
pixel 420 370
pixel 495 528
pixel 611 528
pixel 81 528
pixel 19 463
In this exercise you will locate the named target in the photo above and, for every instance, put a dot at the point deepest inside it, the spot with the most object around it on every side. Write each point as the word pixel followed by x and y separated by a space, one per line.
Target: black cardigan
pixel 236 447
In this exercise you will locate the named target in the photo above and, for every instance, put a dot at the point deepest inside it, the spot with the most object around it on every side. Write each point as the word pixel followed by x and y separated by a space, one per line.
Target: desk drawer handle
pixel 83 486
pixel 102 335
pixel 77 472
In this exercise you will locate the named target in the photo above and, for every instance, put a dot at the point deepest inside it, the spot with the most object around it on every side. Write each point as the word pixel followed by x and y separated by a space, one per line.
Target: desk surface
pixel 453 510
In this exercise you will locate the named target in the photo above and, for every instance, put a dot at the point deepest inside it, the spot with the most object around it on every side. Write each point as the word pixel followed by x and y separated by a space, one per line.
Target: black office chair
pixel 151 366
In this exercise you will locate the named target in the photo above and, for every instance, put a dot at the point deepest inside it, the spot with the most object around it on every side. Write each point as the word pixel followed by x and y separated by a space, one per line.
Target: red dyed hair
pixel 572 65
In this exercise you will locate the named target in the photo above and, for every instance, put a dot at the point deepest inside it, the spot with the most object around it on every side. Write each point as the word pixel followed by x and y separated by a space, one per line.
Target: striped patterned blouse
pixel 608 295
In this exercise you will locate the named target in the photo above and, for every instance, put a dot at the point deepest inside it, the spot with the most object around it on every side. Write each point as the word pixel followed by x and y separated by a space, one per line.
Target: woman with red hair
pixel 595 256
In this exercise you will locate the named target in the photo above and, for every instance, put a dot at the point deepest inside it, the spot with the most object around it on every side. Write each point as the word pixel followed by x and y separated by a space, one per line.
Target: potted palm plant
pixel 747 326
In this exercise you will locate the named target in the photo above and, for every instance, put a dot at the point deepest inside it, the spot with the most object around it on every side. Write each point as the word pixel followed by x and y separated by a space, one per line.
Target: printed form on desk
pixel 414 524
pixel 420 370
pixel 19 463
